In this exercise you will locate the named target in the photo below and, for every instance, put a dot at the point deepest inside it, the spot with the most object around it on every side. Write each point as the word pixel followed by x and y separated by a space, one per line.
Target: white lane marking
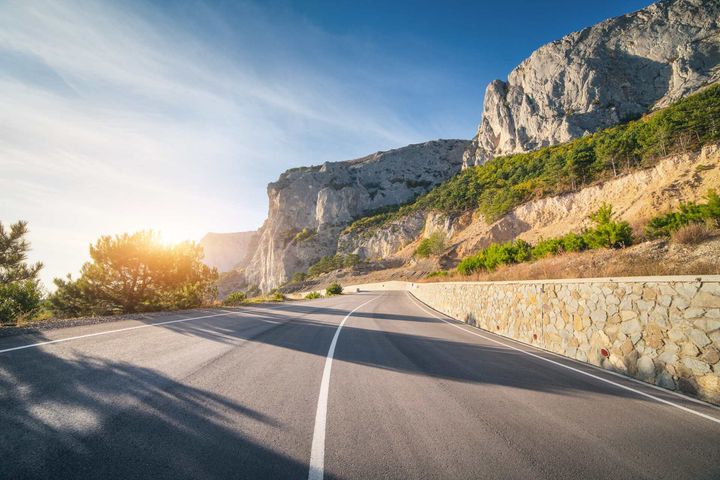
pixel 317 452
pixel 61 340
pixel 106 332
pixel 596 377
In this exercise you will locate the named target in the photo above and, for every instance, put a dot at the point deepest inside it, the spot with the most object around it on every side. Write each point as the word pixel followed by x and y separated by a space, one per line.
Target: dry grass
pixel 692 234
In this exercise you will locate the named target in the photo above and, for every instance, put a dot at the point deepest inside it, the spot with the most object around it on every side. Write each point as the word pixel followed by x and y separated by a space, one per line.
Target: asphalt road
pixel 251 393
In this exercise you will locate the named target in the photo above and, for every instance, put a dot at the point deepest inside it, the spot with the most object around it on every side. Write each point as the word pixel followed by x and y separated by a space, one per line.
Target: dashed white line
pixel 576 370
pixel 317 452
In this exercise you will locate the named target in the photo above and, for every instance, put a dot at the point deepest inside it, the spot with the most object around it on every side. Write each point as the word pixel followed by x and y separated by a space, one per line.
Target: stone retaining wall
pixel 663 330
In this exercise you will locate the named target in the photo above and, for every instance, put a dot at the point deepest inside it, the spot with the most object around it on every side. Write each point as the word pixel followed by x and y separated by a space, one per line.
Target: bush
pixel 545 248
pixel 303 234
pixel 298 277
pixel 313 295
pixel 331 263
pixel 350 260
pixel 438 273
pixel 572 242
pixel 691 234
pixel 608 233
pixel 235 298
pixel 496 254
pixel 334 289
pixel 277 296
pixel 19 300
pixel 664 225
pixel 433 245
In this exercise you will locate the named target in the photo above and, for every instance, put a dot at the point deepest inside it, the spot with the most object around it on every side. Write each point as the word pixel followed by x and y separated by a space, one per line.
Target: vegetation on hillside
pixel 134 273
pixel 688 213
pixel 20 293
pixel 433 245
pixel 332 262
pixel 508 181
pixel 607 232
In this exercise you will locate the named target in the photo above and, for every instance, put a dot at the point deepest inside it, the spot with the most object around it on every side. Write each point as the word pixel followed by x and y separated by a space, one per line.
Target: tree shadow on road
pixel 87 417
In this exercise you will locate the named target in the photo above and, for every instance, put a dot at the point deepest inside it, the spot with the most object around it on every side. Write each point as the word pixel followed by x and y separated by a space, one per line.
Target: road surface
pixel 405 393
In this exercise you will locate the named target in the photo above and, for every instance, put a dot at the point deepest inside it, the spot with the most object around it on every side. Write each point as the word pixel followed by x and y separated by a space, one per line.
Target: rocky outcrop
pixel 389 240
pixel 309 206
pixel 384 241
pixel 229 251
pixel 600 76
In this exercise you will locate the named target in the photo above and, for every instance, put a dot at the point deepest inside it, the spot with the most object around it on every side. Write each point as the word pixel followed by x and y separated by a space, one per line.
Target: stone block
pixel 698 337
pixel 704 299
pixel 698 367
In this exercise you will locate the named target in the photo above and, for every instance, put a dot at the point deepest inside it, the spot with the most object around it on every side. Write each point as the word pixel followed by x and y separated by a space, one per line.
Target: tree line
pixel 127 273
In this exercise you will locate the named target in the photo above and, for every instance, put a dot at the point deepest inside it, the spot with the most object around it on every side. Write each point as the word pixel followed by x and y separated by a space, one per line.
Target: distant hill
pixel 229 251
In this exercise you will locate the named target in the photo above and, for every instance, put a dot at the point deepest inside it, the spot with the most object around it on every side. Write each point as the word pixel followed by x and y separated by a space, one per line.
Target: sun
pixel 170 236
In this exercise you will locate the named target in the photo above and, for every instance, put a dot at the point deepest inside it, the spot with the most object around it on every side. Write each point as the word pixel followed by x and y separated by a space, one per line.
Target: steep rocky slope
pixel 635 197
pixel 309 206
pixel 229 251
pixel 597 77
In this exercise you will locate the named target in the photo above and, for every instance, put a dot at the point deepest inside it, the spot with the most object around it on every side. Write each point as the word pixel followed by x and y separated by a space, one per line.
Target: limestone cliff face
pixel 309 206
pixel 595 78
pixel 229 251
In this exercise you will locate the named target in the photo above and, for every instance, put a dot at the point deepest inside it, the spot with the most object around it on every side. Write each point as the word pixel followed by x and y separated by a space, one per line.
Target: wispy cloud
pixel 117 116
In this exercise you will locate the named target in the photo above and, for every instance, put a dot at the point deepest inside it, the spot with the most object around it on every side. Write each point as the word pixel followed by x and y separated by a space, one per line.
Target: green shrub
pixel 664 225
pixel 276 295
pixel 330 263
pixel 608 233
pixel 433 245
pixel 496 254
pixel 235 299
pixel 313 295
pixel 572 242
pixel 19 300
pixel 334 289
pixel 438 273
pixel 298 277
pixel 350 260
pixel 303 234
pixel 546 248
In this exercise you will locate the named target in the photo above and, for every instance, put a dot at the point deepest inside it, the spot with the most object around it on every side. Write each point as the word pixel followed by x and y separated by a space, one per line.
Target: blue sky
pixel 120 116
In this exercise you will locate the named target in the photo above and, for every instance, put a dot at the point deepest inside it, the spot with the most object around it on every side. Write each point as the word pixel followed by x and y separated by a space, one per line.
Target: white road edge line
pixel 106 332
pixel 317 452
pixel 596 377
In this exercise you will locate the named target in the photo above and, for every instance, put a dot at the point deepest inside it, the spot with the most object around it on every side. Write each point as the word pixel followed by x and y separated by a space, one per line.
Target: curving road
pixel 279 391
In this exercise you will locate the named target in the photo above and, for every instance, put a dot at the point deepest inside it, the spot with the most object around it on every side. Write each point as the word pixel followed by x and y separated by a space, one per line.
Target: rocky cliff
pixel 636 197
pixel 309 206
pixel 597 77
pixel 229 251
